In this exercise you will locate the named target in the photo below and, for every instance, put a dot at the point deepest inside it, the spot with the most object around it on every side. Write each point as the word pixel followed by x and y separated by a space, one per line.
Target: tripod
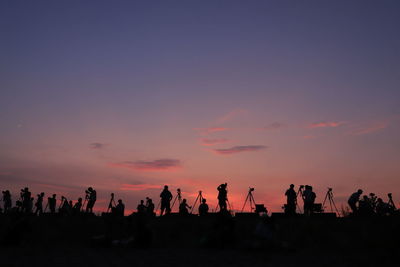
pixel 198 198
pixel 391 202
pixel 177 197
pixel 111 204
pixel 329 197
pixel 250 198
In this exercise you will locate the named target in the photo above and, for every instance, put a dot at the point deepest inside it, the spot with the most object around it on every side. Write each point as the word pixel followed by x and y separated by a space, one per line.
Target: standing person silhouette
pixel 52 202
pixel 39 204
pixel 291 200
pixel 309 200
pixel 149 206
pixel 120 208
pixel 7 201
pixel 26 200
pixel 166 198
pixel 91 196
pixel 222 197
pixel 141 208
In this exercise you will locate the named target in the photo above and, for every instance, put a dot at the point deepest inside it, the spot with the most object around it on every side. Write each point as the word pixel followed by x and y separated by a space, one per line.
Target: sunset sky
pixel 127 96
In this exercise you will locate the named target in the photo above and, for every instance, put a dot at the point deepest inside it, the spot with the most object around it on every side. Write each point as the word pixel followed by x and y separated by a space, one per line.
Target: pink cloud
pixel 326 124
pixel 209 130
pixel 239 149
pixel 155 165
pixel 212 142
pixel 374 127
pixel 138 187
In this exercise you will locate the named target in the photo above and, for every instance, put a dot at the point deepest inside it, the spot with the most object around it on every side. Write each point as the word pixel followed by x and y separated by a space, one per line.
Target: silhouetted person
pixel 166 198
pixel 76 209
pixel 141 208
pixel 30 205
pixel 7 201
pixel 91 197
pixel 382 208
pixel 203 207
pixel 365 207
pixel 184 207
pixel 65 207
pixel 291 198
pixel 52 202
pixel 120 208
pixel 353 200
pixel 309 200
pixel 222 196
pixel 26 200
pixel 18 206
pixel 39 204
pixel 373 200
pixel 149 206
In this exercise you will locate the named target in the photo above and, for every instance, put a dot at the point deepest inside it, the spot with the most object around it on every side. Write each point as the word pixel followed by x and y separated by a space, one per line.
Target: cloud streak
pixel 97 145
pixel 372 128
pixel 326 124
pixel 239 149
pixel 212 142
pixel 155 165
pixel 206 131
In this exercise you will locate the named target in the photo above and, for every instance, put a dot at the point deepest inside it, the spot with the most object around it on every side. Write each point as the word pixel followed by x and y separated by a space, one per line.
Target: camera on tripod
pixel 251 189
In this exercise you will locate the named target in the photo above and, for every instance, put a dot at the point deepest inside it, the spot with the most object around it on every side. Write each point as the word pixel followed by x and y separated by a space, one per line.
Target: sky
pixel 127 96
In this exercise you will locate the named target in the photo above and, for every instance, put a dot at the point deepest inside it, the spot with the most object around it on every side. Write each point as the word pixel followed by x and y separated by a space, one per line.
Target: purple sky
pixel 129 95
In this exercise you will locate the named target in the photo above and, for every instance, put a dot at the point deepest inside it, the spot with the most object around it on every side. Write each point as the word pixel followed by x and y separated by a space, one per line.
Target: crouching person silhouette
pixel 184 208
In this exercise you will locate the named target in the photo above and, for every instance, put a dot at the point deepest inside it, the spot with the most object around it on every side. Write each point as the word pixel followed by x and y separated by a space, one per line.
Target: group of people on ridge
pixel 365 205
pixel 26 204
pixel 370 205
pixel 306 193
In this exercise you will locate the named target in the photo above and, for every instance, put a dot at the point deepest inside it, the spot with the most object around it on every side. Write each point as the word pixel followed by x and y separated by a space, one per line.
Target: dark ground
pixel 194 241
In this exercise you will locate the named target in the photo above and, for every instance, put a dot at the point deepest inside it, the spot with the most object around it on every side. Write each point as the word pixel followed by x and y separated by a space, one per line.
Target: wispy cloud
pixel 97 145
pixel 371 128
pixel 212 142
pixel 206 131
pixel 326 124
pixel 274 126
pixel 239 149
pixel 155 165
pixel 138 187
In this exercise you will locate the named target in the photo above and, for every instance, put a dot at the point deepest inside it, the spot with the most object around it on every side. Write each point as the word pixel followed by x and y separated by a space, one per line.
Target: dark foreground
pixel 194 241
